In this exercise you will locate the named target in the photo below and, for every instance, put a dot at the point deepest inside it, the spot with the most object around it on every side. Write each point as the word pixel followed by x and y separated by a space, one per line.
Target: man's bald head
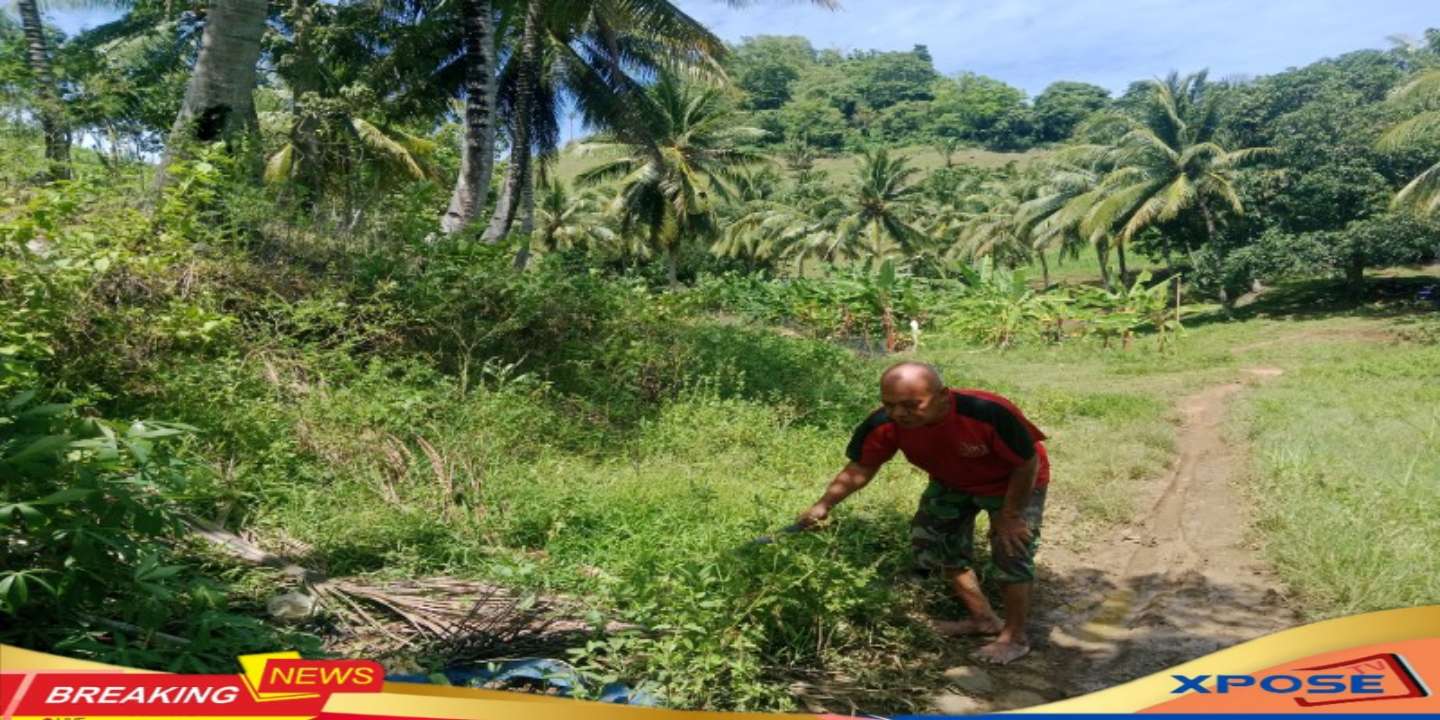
pixel 912 374
pixel 913 394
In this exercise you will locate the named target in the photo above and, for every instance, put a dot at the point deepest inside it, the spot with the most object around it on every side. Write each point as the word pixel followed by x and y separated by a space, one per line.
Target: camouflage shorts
pixel 942 535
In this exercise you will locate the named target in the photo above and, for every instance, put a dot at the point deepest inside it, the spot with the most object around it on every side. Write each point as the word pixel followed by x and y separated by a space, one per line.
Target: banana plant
pixel 1001 306
pixel 1119 312
pixel 879 293
pixel 1153 308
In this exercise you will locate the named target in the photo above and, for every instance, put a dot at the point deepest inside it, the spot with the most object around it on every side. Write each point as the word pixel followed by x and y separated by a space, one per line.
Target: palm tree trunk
pixel 113 140
pixel 875 241
pixel 1044 270
pixel 518 174
pixel 887 320
pixel 505 202
pixel 219 100
pixel 671 270
pixel 527 226
pixel 1227 303
pixel 47 100
pixel 302 74
pixel 1120 261
pixel 1102 253
pixel 1355 276
pixel 477 159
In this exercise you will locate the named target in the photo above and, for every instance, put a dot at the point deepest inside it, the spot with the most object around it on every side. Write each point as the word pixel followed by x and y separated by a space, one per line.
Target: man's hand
pixel 853 477
pixel 1011 533
pixel 813 516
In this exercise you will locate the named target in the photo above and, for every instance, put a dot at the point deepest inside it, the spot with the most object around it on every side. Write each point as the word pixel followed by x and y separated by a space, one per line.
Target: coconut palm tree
pixel 947 146
pixel 336 121
pixel 670 171
pixel 784 230
pixel 590 52
pixel 1000 230
pixel 1168 164
pixel 876 223
pixel 596 48
pixel 47 100
pixel 1072 186
pixel 565 219
pixel 1422 93
pixel 799 156
pixel 219 99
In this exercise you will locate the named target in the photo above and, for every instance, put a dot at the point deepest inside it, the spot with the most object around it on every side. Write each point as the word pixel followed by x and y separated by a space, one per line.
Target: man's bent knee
pixel 951 572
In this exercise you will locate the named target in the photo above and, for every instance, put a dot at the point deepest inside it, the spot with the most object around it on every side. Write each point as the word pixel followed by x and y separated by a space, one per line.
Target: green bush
pixel 91 528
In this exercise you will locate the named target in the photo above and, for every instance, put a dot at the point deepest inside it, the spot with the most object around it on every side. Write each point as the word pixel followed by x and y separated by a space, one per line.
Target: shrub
pixel 91 526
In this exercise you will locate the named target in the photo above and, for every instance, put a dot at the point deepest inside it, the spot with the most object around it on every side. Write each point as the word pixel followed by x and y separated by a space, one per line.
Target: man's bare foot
pixel 1002 652
pixel 968 626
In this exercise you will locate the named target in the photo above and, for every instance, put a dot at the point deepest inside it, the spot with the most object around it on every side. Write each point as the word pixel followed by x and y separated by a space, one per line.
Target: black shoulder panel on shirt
pixel 857 441
pixel 1007 426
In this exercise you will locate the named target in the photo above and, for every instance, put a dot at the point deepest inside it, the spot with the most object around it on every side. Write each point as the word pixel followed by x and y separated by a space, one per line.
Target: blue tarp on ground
pixel 543 674
pixel 1431 293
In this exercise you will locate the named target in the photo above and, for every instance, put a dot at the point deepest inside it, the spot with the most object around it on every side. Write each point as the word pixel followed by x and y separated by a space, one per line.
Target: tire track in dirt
pixel 1181 584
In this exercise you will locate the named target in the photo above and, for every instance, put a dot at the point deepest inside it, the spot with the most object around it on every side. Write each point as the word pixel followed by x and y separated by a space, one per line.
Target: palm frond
pixel 1221 185
pixel 392 151
pixel 280 165
pixel 1422 193
pixel 606 171
pixel 1244 156
pixel 1424 86
pixel 1414 131
pixel 1115 209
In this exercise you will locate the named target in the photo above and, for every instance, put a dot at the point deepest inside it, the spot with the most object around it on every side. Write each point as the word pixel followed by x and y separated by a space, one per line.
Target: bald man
pixel 981 454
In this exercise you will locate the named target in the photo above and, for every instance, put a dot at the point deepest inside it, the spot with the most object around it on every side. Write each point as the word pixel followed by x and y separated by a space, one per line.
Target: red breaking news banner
pixel 1324 668
pixel 96 694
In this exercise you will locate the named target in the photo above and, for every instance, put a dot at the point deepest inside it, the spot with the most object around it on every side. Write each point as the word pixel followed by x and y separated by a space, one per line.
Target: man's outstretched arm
pixel 853 477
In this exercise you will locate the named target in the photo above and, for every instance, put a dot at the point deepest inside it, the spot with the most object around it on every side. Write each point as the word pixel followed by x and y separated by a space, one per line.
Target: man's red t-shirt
pixel 974 449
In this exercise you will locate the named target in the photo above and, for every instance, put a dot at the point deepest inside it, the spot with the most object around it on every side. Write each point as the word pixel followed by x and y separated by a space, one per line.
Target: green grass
pixel 1344 477
pixel 1085 269
pixel 653 525
pixel 651 520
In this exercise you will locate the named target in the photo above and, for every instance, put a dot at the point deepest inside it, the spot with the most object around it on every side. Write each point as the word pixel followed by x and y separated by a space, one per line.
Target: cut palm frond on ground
pixel 453 618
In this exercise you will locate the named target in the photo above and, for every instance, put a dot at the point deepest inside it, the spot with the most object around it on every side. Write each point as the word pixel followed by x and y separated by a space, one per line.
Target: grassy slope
pixel 651 524
pixel 1347 453
pixel 1345 458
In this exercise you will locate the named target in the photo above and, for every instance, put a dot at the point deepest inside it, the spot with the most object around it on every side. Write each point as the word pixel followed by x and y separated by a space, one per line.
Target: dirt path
pixel 1177 585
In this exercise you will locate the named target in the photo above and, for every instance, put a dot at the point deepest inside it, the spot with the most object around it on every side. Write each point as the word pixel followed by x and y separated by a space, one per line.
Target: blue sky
pixel 1030 43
